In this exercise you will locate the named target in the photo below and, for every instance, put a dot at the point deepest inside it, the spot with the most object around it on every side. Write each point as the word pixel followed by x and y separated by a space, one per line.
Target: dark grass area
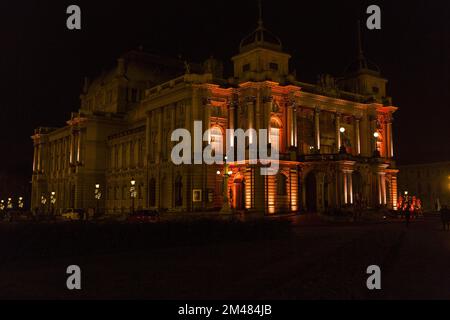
pixel 34 240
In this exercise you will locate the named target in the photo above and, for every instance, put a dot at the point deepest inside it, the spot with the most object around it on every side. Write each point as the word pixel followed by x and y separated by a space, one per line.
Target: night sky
pixel 43 63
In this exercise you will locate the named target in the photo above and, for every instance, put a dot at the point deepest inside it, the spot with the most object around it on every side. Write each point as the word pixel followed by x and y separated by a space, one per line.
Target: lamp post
pixel 9 205
pixel 376 152
pixel 2 208
pixel 43 202
pixel 226 175
pixel 98 196
pixel 20 203
pixel 53 202
pixel 342 148
pixel 132 193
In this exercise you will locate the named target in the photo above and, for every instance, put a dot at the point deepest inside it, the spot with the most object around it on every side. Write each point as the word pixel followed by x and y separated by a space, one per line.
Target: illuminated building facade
pixel 429 181
pixel 334 137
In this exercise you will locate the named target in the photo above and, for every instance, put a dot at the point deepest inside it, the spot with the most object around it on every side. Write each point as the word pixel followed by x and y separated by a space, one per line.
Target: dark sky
pixel 43 64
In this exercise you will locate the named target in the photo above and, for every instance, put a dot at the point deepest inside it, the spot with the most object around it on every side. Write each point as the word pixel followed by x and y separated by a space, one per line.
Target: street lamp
pixel 406 196
pixel 2 205
pixel 342 148
pixel 132 193
pixel 53 201
pixel 9 204
pixel 20 203
pixel 43 202
pixel 98 196
pixel 376 152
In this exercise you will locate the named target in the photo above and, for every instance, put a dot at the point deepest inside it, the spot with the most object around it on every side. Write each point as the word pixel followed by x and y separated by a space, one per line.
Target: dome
pixel 261 37
pixel 363 65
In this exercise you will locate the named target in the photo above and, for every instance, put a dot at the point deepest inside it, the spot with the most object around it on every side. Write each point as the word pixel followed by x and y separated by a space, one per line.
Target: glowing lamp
pixel 218 172
pixel 133 182
pixel 230 173
pixel 97 186
pixel 342 129
pixel 376 135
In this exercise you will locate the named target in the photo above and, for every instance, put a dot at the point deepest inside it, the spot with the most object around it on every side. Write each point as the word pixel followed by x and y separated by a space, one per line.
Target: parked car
pixel 144 216
pixel 73 214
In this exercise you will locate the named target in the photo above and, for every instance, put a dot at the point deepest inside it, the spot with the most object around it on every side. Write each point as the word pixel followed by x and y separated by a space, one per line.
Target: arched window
pixel 275 134
pixel 178 191
pixel 216 140
pixel 281 184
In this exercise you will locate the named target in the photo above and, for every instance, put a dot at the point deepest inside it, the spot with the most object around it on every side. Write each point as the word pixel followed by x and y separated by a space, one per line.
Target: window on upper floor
pixel 134 95
pixel 273 66
pixel 246 67
pixel 216 140
pixel 275 134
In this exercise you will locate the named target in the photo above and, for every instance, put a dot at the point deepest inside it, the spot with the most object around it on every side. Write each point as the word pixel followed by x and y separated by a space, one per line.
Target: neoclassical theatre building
pixel 334 137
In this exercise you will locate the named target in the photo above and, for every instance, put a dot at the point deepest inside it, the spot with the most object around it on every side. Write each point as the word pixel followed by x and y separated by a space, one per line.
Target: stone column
pixel 294 121
pixel 290 128
pixel 79 147
pixel 250 107
pixel 267 100
pixel 317 129
pixel 208 120
pixel 258 114
pixel 158 156
pixel 350 187
pixel 148 142
pixel 34 158
pixel 381 188
pixel 39 157
pixel 71 147
pixel 389 139
pixel 231 114
pixel 338 132
pixel 358 135
pixel 345 182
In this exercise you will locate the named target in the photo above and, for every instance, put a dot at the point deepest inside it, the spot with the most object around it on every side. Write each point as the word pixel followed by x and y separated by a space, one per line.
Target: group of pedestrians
pixel 409 207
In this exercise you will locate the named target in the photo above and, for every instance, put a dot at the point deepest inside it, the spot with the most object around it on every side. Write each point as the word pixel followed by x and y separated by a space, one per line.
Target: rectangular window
pixel 273 66
pixel 246 67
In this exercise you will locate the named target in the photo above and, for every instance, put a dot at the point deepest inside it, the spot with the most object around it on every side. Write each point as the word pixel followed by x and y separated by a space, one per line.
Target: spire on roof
pixel 261 37
pixel 362 62
pixel 260 19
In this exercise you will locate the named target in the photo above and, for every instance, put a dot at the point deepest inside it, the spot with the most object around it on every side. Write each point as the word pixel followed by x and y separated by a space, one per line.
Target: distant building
pixel 430 182
pixel 123 128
